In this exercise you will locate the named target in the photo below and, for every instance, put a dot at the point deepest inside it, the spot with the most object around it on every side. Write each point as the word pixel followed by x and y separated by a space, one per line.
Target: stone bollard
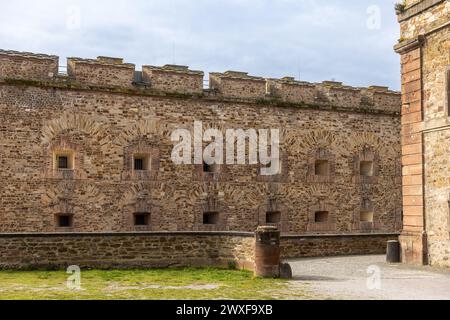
pixel 285 271
pixel 267 252
pixel 393 251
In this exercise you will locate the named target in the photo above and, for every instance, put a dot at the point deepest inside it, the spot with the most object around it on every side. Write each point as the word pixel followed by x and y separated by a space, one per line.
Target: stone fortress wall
pixel 340 151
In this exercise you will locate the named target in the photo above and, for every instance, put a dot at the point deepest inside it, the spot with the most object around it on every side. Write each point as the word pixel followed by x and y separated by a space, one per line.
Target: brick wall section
pixel 126 250
pixel 334 245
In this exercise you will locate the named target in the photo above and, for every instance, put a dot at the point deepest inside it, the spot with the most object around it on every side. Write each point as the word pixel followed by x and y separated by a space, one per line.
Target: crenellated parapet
pixel 27 66
pixel 109 73
pixel 333 93
pixel 173 78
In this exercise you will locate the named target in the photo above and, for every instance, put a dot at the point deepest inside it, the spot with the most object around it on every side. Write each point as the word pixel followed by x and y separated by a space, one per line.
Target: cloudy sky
pixel 314 40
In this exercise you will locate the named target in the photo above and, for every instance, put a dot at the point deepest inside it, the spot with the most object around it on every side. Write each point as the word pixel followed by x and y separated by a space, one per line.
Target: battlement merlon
pixel 107 72
pixel 238 84
pixel 173 78
pixel 101 71
pixel 27 66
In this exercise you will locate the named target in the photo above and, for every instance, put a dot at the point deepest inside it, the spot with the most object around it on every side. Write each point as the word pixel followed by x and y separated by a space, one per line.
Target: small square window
pixel 321 216
pixel 322 168
pixel 366 216
pixel 141 219
pixel 273 217
pixel 366 168
pixel 64 161
pixel 64 221
pixel 141 163
pixel 210 218
pixel 138 164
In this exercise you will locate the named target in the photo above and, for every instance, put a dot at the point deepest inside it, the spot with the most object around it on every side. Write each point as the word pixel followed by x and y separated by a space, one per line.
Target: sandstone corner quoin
pixel 87 178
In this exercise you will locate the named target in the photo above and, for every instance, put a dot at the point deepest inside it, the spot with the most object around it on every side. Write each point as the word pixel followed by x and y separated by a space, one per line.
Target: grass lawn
pixel 187 283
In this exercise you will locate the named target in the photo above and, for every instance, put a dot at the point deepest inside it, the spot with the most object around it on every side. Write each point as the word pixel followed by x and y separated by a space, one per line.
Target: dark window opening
pixel 138 164
pixel 322 168
pixel 141 219
pixel 210 218
pixel 63 162
pixel 273 217
pixel 64 221
pixel 141 163
pixel 321 216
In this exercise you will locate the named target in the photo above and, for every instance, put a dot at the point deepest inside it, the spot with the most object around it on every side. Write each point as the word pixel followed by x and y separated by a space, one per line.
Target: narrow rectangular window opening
pixel 64 160
pixel 322 167
pixel 64 221
pixel 210 218
pixel 141 162
pixel 141 219
pixel 273 217
pixel 321 216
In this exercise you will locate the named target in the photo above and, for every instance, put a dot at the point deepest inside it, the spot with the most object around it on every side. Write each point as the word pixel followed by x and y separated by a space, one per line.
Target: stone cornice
pixel 126 234
pixel 408 45
pixel 417 8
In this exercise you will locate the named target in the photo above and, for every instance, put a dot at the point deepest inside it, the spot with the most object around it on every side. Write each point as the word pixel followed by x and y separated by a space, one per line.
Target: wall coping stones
pixel 102 61
pixel 336 235
pixel 237 75
pixel 184 233
pixel 126 234
pixel 28 55
pixel 174 69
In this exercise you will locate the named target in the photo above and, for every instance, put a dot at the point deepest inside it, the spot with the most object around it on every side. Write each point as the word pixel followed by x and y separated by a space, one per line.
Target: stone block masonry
pixel 425 57
pixel 90 152
pixel 168 249
pixel 127 250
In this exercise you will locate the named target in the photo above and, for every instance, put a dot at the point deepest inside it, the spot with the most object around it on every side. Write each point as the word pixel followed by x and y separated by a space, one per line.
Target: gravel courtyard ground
pixel 356 278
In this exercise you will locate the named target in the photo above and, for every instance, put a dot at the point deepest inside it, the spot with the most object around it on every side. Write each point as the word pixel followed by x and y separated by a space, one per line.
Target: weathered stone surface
pixel 332 245
pixel 126 250
pixel 168 249
pixel 102 116
pixel 425 51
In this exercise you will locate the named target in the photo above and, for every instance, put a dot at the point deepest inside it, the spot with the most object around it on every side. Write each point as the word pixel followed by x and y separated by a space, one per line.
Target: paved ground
pixel 369 277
